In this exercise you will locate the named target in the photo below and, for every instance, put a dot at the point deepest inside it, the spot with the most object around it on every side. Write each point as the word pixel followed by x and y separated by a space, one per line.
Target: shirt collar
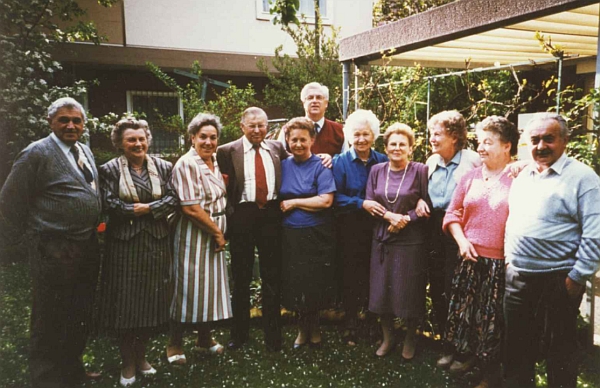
pixel 355 155
pixel 455 159
pixel 248 146
pixel 557 166
pixel 63 146
pixel 320 123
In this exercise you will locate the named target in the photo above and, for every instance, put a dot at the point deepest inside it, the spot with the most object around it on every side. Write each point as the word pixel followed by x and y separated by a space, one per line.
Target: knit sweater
pixel 484 212
pixel 44 194
pixel 554 221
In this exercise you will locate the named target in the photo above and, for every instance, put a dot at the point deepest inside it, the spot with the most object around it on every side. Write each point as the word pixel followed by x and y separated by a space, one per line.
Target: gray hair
pixel 453 123
pixel 545 116
pixel 359 117
pixel 254 111
pixel 202 120
pixel 65 102
pixel 314 85
pixel 116 135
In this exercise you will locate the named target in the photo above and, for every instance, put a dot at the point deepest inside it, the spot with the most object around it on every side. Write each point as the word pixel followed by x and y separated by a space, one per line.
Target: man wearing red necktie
pixel 252 166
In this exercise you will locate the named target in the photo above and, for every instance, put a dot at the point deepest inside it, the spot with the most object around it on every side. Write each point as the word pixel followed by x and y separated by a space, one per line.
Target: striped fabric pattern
pixel 134 285
pixel 122 223
pixel 200 278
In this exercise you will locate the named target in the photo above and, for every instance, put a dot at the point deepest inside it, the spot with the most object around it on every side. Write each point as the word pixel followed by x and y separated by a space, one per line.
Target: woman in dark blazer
pixel 134 293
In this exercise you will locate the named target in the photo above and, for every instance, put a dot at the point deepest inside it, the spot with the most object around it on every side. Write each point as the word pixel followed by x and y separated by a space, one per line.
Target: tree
pixel 388 11
pixel 229 104
pixel 28 31
pixel 317 60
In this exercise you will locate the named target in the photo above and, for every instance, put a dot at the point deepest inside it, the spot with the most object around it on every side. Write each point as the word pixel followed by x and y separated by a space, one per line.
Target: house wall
pixel 230 26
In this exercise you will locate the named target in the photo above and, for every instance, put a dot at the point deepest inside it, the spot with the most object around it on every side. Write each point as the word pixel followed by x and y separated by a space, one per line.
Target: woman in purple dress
pixel 398 256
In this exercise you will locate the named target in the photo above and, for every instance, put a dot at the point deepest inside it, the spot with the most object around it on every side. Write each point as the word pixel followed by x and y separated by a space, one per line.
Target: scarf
pixel 127 191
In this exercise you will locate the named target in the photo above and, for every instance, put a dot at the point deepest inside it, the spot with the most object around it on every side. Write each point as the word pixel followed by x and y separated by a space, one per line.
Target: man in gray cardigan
pixel 552 247
pixel 52 197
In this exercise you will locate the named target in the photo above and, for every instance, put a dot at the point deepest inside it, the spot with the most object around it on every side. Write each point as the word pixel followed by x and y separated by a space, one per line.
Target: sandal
pixel 176 359
pixel 214 350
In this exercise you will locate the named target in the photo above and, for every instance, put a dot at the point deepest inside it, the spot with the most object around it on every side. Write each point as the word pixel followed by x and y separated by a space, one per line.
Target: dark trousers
pixel 443 260
pixel 355 235
pixel 261 228
pixel 65 274
pixel 536 305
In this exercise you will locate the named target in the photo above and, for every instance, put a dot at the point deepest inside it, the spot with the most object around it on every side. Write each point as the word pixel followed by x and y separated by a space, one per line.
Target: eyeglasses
pixel 255 126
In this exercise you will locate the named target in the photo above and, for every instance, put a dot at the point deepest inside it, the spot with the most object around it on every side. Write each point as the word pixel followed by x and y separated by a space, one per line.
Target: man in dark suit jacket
pixel 51 196
pixel 253 170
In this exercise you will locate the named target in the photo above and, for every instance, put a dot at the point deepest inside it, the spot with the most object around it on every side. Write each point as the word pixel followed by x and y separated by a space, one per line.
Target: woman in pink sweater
pixel 476 219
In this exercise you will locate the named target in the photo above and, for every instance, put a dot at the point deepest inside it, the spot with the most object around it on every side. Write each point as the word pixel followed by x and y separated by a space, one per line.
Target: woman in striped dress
pixel 134 288
pixel 201 283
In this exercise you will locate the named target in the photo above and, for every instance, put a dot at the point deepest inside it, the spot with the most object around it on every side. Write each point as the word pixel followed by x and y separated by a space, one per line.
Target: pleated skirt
pixel 398 280
pixel 475 322
pixel 308 273
pixel 134 287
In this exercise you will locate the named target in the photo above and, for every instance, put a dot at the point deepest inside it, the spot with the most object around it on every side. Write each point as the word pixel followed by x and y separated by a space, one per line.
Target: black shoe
pixel 273 347
pixel 235 345
pixel 315 345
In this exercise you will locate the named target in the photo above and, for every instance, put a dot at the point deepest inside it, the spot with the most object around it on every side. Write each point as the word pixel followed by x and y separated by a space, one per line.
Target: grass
pixel 336 365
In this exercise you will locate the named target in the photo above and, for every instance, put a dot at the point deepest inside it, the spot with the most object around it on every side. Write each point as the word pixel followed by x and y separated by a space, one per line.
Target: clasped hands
pixel 397 221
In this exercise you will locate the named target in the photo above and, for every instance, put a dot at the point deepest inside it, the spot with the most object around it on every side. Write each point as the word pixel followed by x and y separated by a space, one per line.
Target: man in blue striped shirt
pixel 552 247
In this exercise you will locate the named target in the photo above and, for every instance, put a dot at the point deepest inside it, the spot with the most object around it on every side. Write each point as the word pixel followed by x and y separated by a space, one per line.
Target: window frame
pixel 152 93
pixel 326 19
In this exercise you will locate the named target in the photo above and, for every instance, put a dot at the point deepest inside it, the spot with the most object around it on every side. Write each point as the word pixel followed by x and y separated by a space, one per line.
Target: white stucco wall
pixel 229 26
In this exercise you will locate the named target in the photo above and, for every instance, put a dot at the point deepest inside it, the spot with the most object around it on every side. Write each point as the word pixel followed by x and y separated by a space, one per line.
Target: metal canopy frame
pixel 488 35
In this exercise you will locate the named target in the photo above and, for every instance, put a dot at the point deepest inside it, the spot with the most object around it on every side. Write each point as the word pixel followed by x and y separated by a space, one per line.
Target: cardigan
pixel 484 212
pixel 44 194
pixel 554 220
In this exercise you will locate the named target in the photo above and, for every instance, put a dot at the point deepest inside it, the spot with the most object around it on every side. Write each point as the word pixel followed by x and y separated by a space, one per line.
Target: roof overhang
pixel 481 33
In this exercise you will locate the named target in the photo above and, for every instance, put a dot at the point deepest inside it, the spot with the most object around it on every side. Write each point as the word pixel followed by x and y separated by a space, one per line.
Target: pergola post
pixel 559 84
pixel 595 280
pixel 355 88
pixel 428 109
pixel 345 88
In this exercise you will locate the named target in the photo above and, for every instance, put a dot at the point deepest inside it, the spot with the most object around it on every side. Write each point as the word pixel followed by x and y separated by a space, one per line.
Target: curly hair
pixel 202 120
pixel 507 131
pixel 359 117
pixel 116 135
pixel 454 123
pixel 399 129
pixel 300 123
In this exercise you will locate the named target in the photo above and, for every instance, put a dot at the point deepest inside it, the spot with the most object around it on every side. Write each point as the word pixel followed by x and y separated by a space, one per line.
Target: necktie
pixel 261 179
pixel 317 128
pixel 89 178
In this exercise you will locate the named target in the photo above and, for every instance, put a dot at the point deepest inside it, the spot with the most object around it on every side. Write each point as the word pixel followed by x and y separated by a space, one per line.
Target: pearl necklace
pixel 387 179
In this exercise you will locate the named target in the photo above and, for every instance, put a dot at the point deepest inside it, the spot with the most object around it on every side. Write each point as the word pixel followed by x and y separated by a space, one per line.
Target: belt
pixel 217 214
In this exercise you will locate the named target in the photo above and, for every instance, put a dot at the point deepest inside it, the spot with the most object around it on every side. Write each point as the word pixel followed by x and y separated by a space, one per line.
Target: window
pixel 307 8
pixel 155 105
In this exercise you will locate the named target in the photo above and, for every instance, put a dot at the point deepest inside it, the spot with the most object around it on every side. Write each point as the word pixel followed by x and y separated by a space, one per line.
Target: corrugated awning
pixel 482 32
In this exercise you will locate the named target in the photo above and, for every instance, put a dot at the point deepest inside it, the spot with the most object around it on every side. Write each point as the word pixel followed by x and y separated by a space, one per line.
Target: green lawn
pixel 335 365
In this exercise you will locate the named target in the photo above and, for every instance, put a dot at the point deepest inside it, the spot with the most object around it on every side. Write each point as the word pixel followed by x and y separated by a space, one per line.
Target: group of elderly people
pixel 501 244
